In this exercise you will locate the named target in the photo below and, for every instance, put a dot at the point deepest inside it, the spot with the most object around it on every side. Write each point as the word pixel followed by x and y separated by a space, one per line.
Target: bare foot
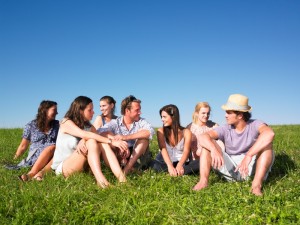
pixel 122 178
pixel 256 190
pixel 24 177
pixel 103 185
pixel 39 176
pixel 199 186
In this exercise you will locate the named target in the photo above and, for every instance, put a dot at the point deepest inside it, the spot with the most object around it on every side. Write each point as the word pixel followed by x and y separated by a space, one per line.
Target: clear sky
pixel 162 51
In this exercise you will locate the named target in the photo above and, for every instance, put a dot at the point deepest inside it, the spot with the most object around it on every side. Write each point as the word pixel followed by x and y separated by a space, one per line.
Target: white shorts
pixel 58 170
pixel 231 162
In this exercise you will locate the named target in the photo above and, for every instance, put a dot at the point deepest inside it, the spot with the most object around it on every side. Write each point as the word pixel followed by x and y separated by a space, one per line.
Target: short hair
pixel 246 115
pixel 126 103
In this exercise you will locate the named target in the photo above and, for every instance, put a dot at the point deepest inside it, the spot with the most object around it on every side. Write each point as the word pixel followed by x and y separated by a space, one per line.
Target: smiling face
pixel 134 112
pixel 106 108
pixel 203 115
pixel 166 119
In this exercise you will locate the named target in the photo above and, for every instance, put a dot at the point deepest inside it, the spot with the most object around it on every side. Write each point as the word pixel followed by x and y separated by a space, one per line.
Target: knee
pixel 91 143
pixel 144 141
pixel 158 167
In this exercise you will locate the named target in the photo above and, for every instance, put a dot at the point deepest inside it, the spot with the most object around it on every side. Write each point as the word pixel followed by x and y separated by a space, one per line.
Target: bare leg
pixel 139 149
pixel 43 160
pixel 205 166
pixel 39 176
pixel 93 158
pixel 76 163
pixel 263 163
pixel 111 160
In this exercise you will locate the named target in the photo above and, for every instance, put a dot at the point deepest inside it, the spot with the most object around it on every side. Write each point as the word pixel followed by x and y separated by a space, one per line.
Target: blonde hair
pixel 197 108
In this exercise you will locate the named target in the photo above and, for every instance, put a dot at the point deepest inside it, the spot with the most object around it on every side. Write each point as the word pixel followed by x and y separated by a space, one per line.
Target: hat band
pixel 231 105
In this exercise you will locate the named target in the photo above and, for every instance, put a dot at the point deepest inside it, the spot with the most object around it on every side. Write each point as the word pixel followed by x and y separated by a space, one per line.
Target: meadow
pixel 151 198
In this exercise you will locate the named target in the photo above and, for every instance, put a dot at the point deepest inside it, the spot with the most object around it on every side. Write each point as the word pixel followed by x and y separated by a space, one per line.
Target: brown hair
pixel 80 103
pixel 173 111
pixel 41 116
pixel 126 103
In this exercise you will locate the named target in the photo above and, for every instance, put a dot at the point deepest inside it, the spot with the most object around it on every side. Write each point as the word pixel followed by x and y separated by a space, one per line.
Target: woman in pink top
pixel 200 124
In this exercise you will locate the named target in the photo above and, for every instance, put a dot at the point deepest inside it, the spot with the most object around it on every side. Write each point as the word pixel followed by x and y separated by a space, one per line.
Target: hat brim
pixel 226 108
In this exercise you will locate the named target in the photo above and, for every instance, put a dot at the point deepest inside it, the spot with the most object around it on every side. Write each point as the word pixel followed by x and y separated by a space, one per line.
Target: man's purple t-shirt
pixel 235 143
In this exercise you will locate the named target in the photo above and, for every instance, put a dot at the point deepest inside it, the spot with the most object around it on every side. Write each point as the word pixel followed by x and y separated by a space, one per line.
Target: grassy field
pixel 151 198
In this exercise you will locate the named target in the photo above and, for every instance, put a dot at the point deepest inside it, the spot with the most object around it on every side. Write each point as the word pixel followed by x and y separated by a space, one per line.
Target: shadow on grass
pixel 282 166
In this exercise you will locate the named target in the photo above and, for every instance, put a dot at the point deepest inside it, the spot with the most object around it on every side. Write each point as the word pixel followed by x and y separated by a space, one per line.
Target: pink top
pixel 196 131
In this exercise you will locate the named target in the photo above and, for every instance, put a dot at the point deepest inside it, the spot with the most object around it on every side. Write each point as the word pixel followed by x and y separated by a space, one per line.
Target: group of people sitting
pixel 238 150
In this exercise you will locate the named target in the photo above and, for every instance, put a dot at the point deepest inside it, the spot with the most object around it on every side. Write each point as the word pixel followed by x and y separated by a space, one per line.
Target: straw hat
pixel 237 102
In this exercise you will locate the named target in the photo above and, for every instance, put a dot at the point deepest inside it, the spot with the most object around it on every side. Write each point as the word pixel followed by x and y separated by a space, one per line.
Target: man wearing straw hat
pixel 248 147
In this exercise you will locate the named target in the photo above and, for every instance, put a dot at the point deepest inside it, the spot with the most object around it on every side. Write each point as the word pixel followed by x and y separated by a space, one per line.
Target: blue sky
pixel 179 52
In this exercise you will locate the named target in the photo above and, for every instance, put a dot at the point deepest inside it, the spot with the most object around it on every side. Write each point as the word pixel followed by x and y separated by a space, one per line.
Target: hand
pixel 119 137
pixel 172 171
pixel 122 145
pixel 243 166
pixel 180 170
pixel 217 160
pixel 81 147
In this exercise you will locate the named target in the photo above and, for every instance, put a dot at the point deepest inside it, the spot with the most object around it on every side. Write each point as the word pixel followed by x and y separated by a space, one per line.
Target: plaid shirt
pixel 118 127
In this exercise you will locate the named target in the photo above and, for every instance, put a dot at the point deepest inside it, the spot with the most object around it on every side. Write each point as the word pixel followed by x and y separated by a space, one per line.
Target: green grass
pixel 151 198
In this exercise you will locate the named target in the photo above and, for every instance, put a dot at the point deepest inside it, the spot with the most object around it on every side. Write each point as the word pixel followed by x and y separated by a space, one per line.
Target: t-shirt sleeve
pixel 27 131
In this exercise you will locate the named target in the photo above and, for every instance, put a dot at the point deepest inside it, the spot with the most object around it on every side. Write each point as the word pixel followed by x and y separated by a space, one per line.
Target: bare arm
pixel 22 148
pixel 265 139
pixel 98 122
pixel 69 127
pixel 187 134
pixel 141 134
pixel 186 151
pixel 162 146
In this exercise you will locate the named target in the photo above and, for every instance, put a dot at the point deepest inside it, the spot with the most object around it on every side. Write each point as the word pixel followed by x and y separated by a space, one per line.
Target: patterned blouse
pixel 39 140
pixel 117 127
pixel 196 131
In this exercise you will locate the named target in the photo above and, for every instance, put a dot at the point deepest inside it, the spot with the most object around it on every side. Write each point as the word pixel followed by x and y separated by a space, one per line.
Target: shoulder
pixel 187 132
pixel 160 131
pixel 189 126
pixel 98 121
pixel 98 117
pixel 65 121
pixel 31 125
pixel 256 123
pixel 144 123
